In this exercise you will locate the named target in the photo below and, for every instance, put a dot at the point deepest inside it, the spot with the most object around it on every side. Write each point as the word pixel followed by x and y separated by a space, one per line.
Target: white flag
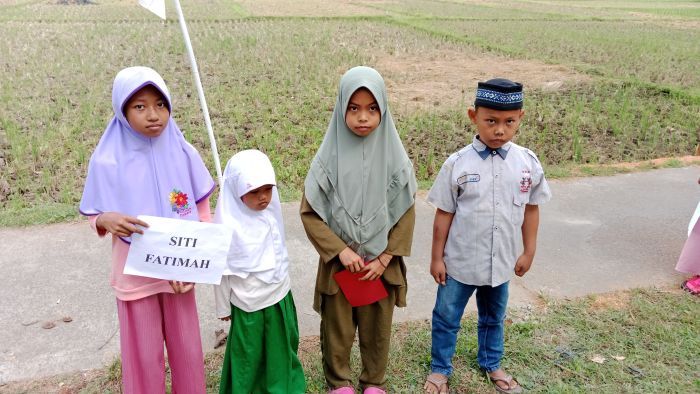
pixel 155 6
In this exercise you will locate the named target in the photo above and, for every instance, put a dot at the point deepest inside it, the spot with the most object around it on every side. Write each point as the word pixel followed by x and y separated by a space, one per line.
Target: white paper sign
pixel 182 250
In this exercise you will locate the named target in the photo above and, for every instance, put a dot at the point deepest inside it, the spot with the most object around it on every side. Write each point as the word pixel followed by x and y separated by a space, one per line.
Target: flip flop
pixel 342 390
pixel 507 380
pixel 692 285
pixel 438 382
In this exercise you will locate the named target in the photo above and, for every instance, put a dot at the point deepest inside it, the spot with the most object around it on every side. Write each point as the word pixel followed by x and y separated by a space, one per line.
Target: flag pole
pixel 200 91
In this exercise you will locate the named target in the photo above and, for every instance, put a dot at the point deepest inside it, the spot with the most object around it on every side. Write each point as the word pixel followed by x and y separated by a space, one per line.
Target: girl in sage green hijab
pixel 358 212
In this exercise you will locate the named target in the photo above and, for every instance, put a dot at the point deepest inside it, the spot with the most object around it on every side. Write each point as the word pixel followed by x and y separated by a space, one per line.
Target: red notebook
pixel 360 292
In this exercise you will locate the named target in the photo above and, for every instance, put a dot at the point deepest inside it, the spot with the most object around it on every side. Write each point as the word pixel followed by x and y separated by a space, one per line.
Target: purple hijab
pixel 137 175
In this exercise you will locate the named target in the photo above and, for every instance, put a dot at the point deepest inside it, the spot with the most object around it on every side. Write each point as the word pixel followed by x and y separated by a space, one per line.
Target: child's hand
pixel 523 264
pixel 438 271
pixel 181 287
pixel 376 267
pixel 227 318
pixel 351 260
pixel 119 224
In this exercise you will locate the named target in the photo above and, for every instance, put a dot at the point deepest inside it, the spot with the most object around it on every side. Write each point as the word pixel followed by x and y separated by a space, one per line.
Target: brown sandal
pixel 439 382
pixel 507 380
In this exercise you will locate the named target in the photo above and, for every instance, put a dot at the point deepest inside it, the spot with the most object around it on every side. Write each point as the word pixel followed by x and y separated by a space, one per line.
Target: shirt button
pixel 495 176
pixel 493 152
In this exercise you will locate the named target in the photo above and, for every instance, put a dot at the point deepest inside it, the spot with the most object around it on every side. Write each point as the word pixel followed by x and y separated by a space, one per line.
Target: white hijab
pixel 257 246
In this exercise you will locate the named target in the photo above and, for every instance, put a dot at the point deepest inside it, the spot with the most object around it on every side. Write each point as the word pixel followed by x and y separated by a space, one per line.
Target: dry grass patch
pixel 584 170
pixel 446 78
pixel 674 24
pixel 616 301
pixel 310 344
pixel 307 8
pixel 661 162
pixel 665 21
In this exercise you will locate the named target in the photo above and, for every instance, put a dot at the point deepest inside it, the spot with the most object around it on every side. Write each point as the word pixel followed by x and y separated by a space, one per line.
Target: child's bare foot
pixel 504 383
pixel 436 383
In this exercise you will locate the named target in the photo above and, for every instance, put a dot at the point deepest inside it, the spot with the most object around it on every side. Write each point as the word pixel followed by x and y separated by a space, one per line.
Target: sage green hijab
pixel 361 186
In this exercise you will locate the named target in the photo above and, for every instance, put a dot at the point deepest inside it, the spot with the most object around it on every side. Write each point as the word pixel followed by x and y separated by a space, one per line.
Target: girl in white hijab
pixel 358 212
pixel 255 291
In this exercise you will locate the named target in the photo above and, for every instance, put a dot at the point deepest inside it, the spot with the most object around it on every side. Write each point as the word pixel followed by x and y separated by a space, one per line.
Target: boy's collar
pixel 484 151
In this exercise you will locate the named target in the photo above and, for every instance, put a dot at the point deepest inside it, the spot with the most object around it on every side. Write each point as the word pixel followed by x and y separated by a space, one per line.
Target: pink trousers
pixel 146 324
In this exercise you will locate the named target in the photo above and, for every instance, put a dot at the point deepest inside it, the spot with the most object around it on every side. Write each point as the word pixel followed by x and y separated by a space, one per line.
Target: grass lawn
pixel 641 341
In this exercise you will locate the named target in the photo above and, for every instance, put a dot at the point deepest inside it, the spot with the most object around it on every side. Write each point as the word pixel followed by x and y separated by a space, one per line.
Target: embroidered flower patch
pixel 180 203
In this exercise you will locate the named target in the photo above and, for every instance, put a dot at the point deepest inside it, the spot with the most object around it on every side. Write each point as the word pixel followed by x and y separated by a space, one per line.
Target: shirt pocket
pixel 468 185
pixel 518 212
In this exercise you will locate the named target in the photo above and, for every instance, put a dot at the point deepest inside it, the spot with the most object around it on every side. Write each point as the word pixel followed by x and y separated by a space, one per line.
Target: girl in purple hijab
pixel 143 166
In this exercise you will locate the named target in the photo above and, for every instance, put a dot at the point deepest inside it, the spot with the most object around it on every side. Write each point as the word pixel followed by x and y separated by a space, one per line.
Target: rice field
pixel 607 81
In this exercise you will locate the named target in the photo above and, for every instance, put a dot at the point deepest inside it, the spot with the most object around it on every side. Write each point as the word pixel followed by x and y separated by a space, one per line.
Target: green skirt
pixel 261 351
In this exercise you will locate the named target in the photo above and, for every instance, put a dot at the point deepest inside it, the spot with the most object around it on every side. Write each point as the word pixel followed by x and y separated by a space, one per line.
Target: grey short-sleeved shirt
pixel 487 191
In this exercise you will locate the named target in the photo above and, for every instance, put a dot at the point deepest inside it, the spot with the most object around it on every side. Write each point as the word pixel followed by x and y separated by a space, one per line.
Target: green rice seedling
pixel 271 81
pixel 462 10
pixel 661 55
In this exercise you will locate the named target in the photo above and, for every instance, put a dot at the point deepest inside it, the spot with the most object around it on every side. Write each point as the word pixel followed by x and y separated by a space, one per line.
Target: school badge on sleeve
pixel 525 181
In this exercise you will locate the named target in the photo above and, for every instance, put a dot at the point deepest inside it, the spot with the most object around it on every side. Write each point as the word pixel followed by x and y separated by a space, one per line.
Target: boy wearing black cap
pixel 487 196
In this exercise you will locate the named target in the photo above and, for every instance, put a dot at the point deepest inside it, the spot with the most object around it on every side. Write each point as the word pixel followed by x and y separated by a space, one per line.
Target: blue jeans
pixel 449 307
